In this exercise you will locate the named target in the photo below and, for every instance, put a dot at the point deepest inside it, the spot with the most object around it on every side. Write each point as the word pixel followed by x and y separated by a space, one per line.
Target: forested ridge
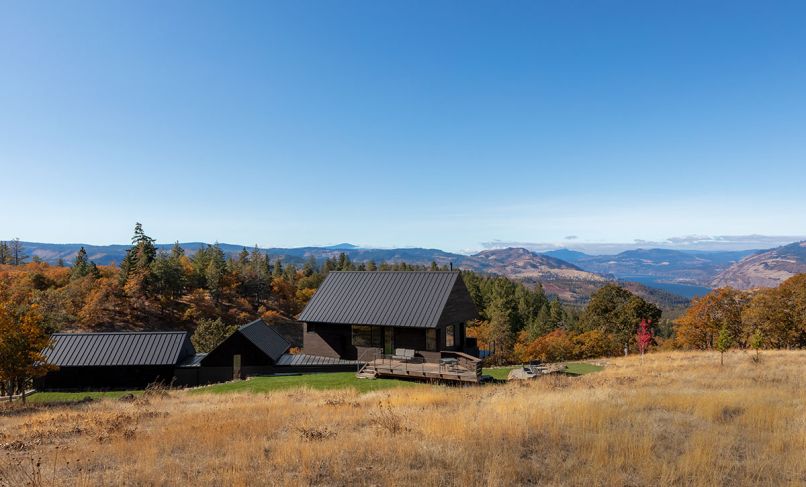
pixel 169 289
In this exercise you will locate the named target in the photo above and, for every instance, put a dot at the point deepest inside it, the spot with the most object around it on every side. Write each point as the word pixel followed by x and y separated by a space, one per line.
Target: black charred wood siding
pixel 105 377
pixel 236 344
pixel 459 306
pixel 329 340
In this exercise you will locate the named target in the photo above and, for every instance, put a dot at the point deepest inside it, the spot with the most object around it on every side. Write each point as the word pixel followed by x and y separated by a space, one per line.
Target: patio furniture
pixel 403 354
pixel 449 363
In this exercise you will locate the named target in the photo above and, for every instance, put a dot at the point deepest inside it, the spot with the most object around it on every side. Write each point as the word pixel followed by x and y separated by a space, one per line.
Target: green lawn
pixel 43 397
pixel 581 368
pixel 499 373
pixel 573 368
pixel 333 380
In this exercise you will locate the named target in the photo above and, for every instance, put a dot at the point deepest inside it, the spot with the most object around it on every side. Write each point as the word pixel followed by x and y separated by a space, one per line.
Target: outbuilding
pixel 114 360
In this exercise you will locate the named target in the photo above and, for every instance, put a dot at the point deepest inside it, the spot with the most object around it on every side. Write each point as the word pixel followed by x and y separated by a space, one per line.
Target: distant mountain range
pixel 570 274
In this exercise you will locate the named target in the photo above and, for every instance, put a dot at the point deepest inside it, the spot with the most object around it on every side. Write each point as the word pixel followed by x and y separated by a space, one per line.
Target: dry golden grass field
pixel 675 419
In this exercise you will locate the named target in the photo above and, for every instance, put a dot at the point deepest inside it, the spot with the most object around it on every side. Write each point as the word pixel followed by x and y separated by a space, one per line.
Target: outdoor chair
pixel 403 354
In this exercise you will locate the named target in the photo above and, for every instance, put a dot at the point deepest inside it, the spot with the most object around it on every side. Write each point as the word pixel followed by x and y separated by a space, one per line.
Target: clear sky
pixel 402 123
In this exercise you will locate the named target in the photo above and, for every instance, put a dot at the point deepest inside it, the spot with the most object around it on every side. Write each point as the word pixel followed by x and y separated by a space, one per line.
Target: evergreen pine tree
pixel 81 265
pixel 94 271
pixel 310 266
pixel 278 268
pixel 177 251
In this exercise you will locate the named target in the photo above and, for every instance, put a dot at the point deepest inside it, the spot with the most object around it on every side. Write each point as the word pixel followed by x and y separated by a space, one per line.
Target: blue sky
pixel 440 124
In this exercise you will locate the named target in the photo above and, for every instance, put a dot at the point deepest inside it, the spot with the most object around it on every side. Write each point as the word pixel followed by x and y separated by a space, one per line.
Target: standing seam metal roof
pixel 386 298
pixel 265 338
pixel 116 349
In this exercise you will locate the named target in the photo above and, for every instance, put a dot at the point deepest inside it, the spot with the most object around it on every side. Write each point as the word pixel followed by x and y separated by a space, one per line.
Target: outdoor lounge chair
pixel 403 354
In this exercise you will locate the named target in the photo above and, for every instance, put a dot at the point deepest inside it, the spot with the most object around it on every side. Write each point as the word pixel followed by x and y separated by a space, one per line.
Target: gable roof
pixel 117 349
pixel 265 338
pixel 421 299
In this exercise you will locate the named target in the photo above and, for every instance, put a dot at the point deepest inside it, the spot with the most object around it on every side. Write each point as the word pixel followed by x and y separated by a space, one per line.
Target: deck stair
pixel 367 372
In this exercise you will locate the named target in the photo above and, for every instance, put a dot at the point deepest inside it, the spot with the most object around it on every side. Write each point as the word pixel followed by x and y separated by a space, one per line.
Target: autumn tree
pixel 644 337
pixel 779 314
pixel 22 341
pixel 556 346
pixel 699 327
pixel 615 310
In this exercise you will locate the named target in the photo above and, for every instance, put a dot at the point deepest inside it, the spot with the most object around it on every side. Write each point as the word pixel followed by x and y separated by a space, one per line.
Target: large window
pixel 367 336
pixel 431 339
pixel 450 335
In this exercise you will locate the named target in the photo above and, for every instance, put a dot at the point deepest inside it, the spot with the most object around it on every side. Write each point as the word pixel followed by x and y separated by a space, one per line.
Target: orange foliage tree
pixel 22 341
pixel 721 308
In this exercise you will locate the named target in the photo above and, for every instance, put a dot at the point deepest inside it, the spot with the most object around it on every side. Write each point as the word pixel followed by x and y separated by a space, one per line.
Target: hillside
pixel 695 268
pixel 668 418
pixel 764 269
pixel 571 282
pixel 519 263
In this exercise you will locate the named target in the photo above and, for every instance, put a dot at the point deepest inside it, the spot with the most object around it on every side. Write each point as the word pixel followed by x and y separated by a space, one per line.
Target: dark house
pixel 133 360
pixel 252 345
pixel 114 360
pixel 354 315
pixel 253 349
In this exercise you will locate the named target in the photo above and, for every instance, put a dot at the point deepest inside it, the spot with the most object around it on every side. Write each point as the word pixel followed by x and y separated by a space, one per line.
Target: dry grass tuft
pixel 675 419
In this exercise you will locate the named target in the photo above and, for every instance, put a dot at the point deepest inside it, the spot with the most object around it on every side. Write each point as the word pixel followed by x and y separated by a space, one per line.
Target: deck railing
pixel 466 361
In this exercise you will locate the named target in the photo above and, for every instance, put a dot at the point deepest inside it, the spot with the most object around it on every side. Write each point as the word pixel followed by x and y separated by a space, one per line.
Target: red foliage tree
pixel 644 336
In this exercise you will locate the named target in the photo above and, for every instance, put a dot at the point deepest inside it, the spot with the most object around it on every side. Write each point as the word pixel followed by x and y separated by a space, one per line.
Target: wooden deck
pixel 465 371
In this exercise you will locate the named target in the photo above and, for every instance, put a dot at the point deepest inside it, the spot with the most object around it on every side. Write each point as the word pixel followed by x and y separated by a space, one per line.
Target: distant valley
pixel 568 274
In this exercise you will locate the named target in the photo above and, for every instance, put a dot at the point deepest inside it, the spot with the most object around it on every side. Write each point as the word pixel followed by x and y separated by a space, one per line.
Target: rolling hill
pixel 572 279
pixel 764 269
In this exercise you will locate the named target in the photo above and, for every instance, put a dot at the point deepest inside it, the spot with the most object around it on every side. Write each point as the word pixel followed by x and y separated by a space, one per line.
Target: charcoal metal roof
pixel 119 349
pixel 423 299
pixel 302 360
pixel 265 338
pixel 193 360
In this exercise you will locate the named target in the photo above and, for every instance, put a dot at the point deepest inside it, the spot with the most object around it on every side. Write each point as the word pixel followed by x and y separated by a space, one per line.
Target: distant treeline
pixel 167 289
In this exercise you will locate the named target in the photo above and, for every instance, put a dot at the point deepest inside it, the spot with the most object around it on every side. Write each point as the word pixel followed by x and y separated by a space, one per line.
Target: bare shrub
pixel 386 418
pixel 315 434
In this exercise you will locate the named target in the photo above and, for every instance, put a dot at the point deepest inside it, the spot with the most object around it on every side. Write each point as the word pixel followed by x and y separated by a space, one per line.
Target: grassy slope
pixel 672 419
pixel 574 368
pixel 335 380
pixel 51 397
pixel 338 380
